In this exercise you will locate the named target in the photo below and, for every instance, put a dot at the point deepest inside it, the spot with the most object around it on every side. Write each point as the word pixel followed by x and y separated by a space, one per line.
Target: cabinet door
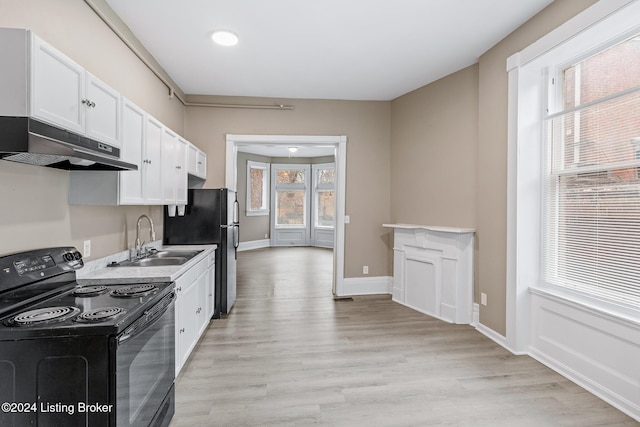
pixel 169 154
pixel 192 160
pixel 202 165
pixel 181 172
pixel 103 111
pixel 57 87
pixel 132 138
pixel 187 330
pixel 151 164
pixel 201 311
pixel 211 284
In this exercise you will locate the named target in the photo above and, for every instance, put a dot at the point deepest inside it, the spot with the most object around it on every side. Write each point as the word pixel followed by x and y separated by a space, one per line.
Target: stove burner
pixel 100 314
pixel 89 291
pixel 43 315
pixel 133 291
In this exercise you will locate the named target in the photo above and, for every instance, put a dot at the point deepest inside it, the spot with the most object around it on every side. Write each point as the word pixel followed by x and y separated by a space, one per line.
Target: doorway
pixel 337 145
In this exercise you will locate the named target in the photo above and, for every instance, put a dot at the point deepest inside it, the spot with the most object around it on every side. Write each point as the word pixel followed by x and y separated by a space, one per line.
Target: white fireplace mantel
pixel 433 270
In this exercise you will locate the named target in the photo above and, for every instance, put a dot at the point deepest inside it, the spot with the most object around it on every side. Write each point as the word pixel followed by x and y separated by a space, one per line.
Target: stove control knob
pixel 68 257
pixel 77 256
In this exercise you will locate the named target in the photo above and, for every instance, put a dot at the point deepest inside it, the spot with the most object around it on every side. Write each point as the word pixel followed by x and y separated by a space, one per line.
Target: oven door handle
pixel 146 322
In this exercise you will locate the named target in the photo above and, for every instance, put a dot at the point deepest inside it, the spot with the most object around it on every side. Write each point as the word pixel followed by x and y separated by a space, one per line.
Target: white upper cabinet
pixel 196 162
pixel 181 172
pixel 174 165
pixel 133 138
pixel 65 95
pixel 102 103
pixel 192 159
pixel 152 167
pixel 169 154
pixel 57 87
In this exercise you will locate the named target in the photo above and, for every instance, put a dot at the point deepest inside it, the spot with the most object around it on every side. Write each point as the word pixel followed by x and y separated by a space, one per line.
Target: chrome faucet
pixel 152 233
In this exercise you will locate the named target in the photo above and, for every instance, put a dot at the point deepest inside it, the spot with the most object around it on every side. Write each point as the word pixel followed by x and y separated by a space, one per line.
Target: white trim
pixel 523 131
pixel 367 285
pixel 254 244
pixel 564 32
pixel 266 168
pixel 564 336
pixel 497 338
pixel 340 144
pixel 475 316
pixel 558 330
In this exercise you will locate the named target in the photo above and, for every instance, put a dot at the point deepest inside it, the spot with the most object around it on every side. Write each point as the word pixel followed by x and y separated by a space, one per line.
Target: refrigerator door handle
pixel 236 211
pixel 225 226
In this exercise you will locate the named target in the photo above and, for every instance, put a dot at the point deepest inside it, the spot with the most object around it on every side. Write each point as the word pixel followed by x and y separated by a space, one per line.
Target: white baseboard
pixel 367 285
pixel 628 407
pixel 594 376
pixel 494 336
pixel 254 244
pixel 475 316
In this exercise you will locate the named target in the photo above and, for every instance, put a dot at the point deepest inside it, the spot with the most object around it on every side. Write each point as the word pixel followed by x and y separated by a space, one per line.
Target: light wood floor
pixel 289 355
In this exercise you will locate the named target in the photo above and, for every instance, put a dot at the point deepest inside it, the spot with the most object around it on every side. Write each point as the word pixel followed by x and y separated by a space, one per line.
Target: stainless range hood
pixel 26 140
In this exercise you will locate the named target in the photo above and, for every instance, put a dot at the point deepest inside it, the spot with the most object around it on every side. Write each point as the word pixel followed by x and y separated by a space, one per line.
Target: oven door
pixel 145 366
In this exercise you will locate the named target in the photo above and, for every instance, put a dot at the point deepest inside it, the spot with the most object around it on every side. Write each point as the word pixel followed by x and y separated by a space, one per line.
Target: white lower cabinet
pixel 211 285
pixel 192 289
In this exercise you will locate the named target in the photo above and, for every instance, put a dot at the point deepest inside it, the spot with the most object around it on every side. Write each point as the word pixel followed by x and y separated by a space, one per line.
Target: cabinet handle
pixel 181 330
pixel 178 167
pixel 179 289
pixel 199 163
pixel 89 103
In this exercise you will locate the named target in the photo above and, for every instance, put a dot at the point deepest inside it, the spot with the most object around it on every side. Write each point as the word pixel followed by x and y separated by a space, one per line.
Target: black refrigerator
pixel 211 216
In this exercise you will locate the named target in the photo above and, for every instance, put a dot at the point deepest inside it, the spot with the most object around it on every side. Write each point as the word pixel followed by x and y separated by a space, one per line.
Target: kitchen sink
pixel 174 253
pixel 154 262
pixel 159 258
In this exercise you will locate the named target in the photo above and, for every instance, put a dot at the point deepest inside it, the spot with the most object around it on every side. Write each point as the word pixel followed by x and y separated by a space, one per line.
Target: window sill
pixel 256 213
pixel 615 312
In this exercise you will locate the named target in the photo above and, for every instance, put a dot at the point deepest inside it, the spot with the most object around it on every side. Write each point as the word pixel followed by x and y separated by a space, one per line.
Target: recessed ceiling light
pixel 224 38
pixel 293 149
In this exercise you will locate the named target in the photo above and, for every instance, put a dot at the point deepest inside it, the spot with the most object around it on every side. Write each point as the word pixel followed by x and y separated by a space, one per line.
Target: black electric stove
pixel 74 354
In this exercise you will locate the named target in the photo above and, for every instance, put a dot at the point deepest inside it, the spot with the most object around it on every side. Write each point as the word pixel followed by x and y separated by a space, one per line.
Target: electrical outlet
pixel 87 248
pixel 365 269
pixel 266 236
pixel 483 298
pixel 347 219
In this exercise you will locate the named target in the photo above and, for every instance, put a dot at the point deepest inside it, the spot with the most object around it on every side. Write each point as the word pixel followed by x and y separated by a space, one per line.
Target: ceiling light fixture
pixel 293 149
pixel 224 38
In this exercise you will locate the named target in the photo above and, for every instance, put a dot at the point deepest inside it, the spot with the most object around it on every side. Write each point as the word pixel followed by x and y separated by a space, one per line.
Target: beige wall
pixel 434 140
pixel 492 155
pixel 34 211
pixel 462 120
pixel 367 127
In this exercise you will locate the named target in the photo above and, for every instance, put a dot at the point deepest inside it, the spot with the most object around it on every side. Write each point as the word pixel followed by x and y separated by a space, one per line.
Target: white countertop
pixel 103 275
pixel 458 230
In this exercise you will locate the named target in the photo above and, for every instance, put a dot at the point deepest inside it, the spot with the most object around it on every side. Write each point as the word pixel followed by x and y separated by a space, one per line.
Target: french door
pixel 302 205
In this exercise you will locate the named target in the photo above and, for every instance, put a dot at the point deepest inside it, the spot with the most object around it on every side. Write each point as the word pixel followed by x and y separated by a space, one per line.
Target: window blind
pixel 591 213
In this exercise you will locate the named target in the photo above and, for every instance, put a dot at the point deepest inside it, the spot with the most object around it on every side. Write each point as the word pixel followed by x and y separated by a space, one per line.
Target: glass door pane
pixel 290 207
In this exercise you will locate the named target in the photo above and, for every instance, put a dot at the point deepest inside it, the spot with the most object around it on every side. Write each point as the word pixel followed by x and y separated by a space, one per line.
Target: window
pixel 291 196
pixel 257 188
pixel 591 191
pixel 324 195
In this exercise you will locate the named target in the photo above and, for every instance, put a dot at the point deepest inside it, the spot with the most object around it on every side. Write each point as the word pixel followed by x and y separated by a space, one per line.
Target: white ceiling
pixel 320 49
